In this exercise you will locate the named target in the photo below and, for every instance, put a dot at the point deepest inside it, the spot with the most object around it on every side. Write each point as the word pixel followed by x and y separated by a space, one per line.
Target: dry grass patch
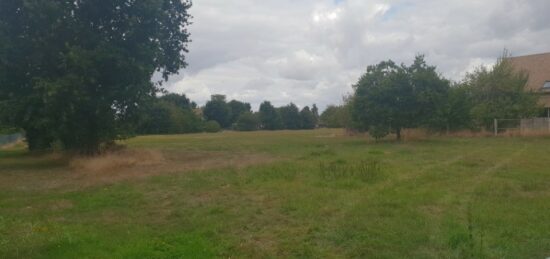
pixel 118 160
pixel 141 163
pixel 121 165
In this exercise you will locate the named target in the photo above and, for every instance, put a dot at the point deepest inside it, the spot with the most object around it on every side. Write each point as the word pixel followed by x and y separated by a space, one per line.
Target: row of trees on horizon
pixel 386 99
pixel 175 113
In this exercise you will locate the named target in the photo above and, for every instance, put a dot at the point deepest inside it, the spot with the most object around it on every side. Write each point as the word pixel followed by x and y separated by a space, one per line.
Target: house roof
pixel 538 68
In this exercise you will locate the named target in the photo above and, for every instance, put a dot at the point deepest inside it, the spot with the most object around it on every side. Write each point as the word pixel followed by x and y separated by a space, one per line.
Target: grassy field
pixel 316 194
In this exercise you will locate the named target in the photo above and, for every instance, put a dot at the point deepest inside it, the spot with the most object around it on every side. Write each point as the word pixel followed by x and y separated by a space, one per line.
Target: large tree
pixel 290 115
pixel 270 119
pixel 76 72
pixel 383 99
pixel 430 92
pixel 391 97
pixel 217 109
pixel 309 119
pixel 238 108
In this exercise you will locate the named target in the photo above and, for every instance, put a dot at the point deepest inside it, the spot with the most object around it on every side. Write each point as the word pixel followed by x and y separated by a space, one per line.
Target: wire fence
pixel 522 127
pixel 9 139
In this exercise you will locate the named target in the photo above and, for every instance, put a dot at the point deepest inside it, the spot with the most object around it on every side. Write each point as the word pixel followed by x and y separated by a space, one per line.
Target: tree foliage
pixel 335 117
pixel 247 121
pixel 499 92
pixel 394 97
pixel 383 98
pixel 180 100
pixel 430 93
pixel 270 119
pixel 212 127
pixel 315 112
pixel 217 109
pixel 168 116
pixel 76 72
pixel 290 116
pixel 308 118
pixel 237 108
pixel 454 113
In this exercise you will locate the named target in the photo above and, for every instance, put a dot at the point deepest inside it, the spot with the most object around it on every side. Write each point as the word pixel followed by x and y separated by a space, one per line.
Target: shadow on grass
pixel 21 160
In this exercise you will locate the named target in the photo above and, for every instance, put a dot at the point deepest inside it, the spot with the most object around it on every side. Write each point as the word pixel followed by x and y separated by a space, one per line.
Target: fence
pixel 8 139
pixel 522 127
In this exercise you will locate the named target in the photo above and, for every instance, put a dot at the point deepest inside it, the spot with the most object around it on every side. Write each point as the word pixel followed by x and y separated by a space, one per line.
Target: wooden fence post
pixel 495 127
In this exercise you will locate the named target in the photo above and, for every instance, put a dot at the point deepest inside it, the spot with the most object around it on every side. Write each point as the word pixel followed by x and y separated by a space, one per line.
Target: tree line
pixel 175 113
pixel 386 99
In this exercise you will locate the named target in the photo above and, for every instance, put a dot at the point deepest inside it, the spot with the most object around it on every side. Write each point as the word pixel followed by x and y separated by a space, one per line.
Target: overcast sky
pixel 312 51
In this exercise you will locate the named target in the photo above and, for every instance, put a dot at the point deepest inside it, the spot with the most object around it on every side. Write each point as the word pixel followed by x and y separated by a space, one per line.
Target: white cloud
pixel 311 51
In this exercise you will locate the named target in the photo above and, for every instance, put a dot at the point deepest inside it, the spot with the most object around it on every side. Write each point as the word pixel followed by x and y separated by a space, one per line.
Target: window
pixel 546 85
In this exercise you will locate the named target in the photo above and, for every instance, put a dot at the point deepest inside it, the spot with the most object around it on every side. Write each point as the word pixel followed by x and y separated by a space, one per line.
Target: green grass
pixel 322 195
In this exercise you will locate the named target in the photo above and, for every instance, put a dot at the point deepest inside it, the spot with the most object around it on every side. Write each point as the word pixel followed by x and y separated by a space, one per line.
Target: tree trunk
pixel 37 140
pixel 398 134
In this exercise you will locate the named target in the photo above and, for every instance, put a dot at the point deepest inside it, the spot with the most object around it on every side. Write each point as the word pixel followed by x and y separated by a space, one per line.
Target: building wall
pixel 545 101
pixel 538 68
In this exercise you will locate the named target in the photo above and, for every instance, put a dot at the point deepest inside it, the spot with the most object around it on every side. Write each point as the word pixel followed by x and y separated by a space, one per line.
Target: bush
pixel 164 117
pixel 336 116
pixel 212 127
pixel 378 132
pixel 247 122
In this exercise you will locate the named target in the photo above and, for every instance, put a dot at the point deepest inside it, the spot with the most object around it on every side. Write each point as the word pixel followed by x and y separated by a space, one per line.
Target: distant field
pixel 316 194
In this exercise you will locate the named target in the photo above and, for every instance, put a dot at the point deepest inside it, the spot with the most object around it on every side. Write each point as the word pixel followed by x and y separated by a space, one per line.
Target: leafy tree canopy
pixel 238 108
pixel 499 93
pixel 270 119
pixel 335 117
pixel 395 96
pixel 247 121
pixel 309 120
pixel 166 117
pixel 290 116
pixel 179 100
pixel 76 72
pixel 217 109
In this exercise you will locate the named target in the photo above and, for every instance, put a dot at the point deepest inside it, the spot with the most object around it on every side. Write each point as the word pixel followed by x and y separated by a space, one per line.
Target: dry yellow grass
pixel 122 165
pixel 118 160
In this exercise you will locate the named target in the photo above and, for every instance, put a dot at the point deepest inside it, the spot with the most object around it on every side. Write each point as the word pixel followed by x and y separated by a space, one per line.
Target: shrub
pixel 378 131
pixel 247 122
pixel 212 127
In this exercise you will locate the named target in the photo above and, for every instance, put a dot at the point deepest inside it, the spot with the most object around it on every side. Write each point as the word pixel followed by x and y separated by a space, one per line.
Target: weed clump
pixel 365 170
